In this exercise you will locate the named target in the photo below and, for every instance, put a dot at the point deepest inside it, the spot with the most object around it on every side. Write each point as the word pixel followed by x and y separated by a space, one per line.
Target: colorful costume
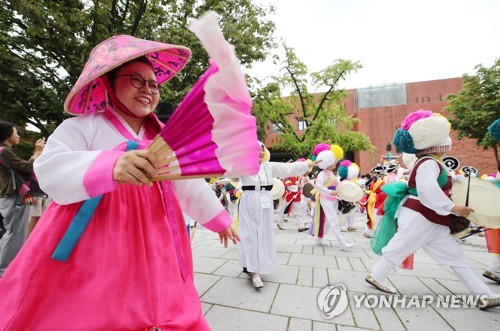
pixel 424 218
pixel 295 202
pixel 372 201
pixel 325 213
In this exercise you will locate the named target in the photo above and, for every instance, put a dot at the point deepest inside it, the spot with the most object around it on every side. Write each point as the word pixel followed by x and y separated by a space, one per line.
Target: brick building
pixel 381 109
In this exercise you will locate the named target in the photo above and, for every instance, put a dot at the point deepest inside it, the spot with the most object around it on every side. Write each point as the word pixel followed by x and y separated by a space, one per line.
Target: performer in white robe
pixel 256 250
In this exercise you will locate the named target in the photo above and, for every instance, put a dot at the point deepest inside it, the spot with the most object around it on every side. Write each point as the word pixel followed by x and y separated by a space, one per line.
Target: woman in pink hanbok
pixel 131 268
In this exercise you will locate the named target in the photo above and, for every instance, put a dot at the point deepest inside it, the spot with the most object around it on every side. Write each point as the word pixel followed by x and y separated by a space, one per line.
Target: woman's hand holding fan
pixel 212 133
pixel 136 167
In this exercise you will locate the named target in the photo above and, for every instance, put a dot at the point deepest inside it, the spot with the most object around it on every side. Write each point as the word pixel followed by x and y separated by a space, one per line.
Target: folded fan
pixel 212 133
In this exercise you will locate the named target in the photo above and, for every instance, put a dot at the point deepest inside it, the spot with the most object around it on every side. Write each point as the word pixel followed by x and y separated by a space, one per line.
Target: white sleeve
pixel 320 181
pixel 428 190
pixel 199 201
pixel 66 159
pixel 281 170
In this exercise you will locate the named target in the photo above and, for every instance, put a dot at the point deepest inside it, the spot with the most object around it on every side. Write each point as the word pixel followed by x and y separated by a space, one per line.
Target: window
pixel 382 95
pixel 302 125
pixel 276 128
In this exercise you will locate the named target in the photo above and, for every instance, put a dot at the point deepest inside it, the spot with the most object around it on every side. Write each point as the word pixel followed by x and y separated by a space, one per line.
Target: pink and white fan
pixel 212 133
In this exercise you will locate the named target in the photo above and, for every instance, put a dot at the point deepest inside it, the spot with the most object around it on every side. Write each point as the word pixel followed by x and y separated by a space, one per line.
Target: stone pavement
pixel 288 301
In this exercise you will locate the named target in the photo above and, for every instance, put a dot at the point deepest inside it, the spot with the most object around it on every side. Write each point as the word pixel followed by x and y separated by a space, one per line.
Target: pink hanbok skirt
pixel 122 275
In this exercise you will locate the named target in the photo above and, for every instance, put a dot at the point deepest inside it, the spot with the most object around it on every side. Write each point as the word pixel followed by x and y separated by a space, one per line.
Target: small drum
pixel 278 189
pixel 484 198
pixel 349 191
pixel 306 189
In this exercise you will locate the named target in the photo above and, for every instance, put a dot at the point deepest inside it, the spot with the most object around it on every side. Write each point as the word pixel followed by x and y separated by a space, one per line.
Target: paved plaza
pixel 288 301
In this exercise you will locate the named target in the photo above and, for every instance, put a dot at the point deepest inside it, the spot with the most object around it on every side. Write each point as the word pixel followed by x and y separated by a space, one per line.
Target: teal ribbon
pixel 387 227
pixel 80 222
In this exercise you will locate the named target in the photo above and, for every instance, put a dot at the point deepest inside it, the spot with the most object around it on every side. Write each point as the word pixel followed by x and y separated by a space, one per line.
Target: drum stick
pixel 478 230
pixel 467 195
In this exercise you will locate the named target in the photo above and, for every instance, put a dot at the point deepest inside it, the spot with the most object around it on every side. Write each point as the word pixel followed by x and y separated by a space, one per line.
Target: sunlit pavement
pixel 289 298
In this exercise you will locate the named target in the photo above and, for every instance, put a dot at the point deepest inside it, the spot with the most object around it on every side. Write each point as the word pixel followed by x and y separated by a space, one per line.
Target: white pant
pixel 299 211
pixel 332 219
pixel 376 221
pixel 495 266
pixel 415 231
pixel 349 218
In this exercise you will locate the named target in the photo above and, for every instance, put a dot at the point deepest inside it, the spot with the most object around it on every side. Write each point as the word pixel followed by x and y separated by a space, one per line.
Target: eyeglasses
pixel 138 81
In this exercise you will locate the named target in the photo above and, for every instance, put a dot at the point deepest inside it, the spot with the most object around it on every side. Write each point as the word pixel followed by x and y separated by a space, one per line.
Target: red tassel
pixel 408 263
pixel 493 240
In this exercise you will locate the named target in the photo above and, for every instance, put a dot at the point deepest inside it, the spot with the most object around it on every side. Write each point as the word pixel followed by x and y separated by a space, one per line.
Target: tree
pixel 322 113
pixel 44 45
pixel 477 105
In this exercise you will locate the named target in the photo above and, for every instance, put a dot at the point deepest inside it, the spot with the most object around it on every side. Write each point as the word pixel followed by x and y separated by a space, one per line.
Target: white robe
pixel 256 250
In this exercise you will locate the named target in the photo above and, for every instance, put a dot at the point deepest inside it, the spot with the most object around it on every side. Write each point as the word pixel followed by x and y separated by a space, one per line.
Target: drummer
pixel 348 171
pixel 426 215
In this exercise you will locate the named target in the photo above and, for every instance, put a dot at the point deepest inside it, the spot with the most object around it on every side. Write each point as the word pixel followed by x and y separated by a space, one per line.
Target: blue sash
pixel 80 222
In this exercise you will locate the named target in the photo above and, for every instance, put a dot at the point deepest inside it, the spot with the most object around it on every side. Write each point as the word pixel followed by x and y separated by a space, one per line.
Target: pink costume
pixel 125 272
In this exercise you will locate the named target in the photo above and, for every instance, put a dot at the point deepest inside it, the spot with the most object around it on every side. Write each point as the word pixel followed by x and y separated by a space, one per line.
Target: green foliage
pixel 26 145
pixel 44 45
pixel 323 113
pixel 477 105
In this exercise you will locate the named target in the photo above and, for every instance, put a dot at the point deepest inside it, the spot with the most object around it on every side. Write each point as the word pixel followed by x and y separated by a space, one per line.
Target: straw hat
pixel 89 93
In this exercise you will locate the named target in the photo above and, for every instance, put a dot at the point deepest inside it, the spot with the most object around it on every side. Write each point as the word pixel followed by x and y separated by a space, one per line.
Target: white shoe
pixel 488 303
pixel 380 286
pixel 256 281
pixel 345 245
pixel 319 241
